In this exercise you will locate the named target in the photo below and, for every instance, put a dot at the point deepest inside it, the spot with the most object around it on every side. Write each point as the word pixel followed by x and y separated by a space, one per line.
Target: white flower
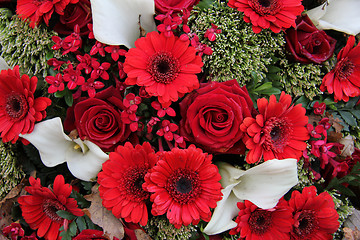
pixel 339 15
pixel 3 64
pixel 117 22
pixel 263 185
pixel 84 159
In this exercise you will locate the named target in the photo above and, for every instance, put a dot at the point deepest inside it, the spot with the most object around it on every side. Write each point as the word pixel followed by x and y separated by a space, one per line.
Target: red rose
pixel 307 44
pixel 98 119
pixel 212 115
pixel 75 14
pixel 164 6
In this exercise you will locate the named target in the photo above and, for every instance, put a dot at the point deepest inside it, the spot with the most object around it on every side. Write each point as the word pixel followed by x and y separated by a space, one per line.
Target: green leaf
pixel 356 113
pixel 60 94
pixel 81 223
pixel 273 69
pixel 255 76
pixel 271 91
pixel 273 77
pixel 82 202
pixel 304 101
pixel 264 86
pixel 73 228
pixel 65 214
pixel 351 103
pixel 69 99
pixel 348 117
pixel 205 4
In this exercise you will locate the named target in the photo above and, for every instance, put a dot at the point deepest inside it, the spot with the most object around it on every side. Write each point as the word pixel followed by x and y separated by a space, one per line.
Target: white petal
pixel 266 183
pixel 225 211
pixel 3 64
pixel 49 138
pixel 339 15
pixel 85 166
pixel 116 22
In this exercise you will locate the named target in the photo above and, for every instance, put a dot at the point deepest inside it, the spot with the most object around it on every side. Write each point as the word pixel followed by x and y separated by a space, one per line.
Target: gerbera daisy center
pixel 134 180
pixel 277 132
pixel 265 7
pixel 260 221
pixel 163 67
pixel 183 185
pixel 16 106
pixel 50 207
pixel 305 222
pixel 344 69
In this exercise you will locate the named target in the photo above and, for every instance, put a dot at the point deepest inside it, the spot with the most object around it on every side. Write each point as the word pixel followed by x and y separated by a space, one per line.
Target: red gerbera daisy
pixel 39 209
pixel 18 109
pixel 37 10
pixel 121 182
pixel 344 79
pixel 185 185
pixel 166 66
pixel 278 131
pixel 257 223
pixel 274 14
pixel 315 215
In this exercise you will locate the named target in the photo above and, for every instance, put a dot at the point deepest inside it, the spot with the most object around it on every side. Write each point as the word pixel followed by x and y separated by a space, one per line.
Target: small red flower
pixel 210 33
pixel 91 86
pixel 100 70
pixel 184 184
pixel 56 83
pixel 256 223
pixel 161 112
pixel 40 207
pixel 278 131
pixel 19 110
pixel 167 130
pixel 86 63
pixel 13 231
pixel 344 79
pixel 98 48
pixel 73 77
pixel 121 182
pixel 115 51
pixel 274 14
pixel 319 108
pixel 314 215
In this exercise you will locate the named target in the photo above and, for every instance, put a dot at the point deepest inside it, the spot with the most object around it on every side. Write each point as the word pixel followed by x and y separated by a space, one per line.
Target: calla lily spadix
pixel 263 185
pixel 84 159
pixel 339 15
pixel 117 22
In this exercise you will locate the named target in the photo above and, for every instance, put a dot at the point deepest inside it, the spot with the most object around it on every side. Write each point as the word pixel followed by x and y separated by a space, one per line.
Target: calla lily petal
pixel 225 211
pixel 86 165
pixel 116 22
pixel 339 15
pixel 84 159
pixel 263 185
pixel 3 64
pixel 51 141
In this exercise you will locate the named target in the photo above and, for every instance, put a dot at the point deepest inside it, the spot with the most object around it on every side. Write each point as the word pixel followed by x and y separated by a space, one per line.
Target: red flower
pixel 314 215
pixel 39 209
pixel 166 66
pixel 18 109
pixel 121 182
pixel 13 231
pixel 184 185
pixel 56 83
pixel 274 14
pixel 278 131
pixel 307 44
pixel 257 223
pixel 38 10
pixel 319 108
pixel 344 79
pixel 87 234
pixel 98 119
pixel 75 14
pixel 164 6
pixel 212 115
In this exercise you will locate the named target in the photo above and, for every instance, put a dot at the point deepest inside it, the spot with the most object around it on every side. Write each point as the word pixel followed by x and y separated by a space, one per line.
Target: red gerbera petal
pixel 184 185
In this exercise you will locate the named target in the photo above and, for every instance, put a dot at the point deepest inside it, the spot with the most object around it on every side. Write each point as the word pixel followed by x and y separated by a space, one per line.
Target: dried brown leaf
pixel 349 147
pixel 334 136
pixel 111 225
pixel 7 203
pixel 350 234
pixel 140 235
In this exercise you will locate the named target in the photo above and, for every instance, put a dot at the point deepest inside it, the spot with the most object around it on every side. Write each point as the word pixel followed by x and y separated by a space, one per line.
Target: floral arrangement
pixel 165 119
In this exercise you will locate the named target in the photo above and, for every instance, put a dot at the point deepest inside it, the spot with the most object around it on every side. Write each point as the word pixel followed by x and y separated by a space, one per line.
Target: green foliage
pixel 30 48
pixel 10 173
pixel 159 228
pixel 238 51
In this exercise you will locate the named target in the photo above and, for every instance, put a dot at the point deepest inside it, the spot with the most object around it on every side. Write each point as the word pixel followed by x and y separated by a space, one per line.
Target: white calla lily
pixel 3 64
pixel 339 15
pixel 263 185
pixel 84 158
pixel 117 22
